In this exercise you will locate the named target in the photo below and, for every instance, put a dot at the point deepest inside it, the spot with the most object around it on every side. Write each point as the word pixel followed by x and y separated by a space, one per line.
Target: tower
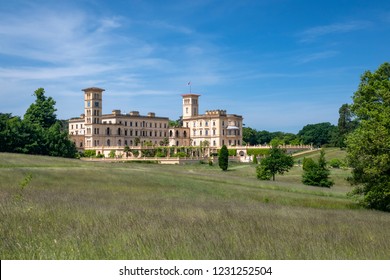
pixel 190 105
pixel 93 105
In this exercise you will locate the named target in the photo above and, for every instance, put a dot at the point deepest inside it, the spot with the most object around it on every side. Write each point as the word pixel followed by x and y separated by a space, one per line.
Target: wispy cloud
pixel 306 58
pixel 313 33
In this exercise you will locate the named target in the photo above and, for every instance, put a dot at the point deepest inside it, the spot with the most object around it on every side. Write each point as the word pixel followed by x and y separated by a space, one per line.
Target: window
pixel 108 142
pixel 119 142
pixel 206 132
pixel 131 123
pixel 125 123
pixel 131 132
pixel 96 104
pixel 108 131
pixel 185 134
pixel 125 132
pixel 214 143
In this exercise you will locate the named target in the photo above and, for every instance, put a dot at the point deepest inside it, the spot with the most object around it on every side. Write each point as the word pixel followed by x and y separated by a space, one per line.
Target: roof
pixel 190 95
pixel 93 89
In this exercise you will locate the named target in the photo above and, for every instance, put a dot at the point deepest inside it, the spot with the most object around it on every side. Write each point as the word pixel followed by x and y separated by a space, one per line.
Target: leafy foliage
pixel 318 134
pixel 42 112
pixel 38 133
pixel 368 146
pixel 277 162
pixel 223 159
pixel 346 124
pixel 316 173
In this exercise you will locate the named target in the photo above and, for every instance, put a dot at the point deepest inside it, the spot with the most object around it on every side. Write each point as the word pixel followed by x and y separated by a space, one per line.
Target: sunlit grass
pixel 82 210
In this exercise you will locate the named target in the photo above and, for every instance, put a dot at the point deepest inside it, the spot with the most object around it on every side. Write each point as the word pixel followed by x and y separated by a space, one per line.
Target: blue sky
pixel 281 64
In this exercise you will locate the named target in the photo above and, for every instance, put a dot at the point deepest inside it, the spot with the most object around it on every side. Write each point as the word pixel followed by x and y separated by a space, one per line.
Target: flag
pixel 189 83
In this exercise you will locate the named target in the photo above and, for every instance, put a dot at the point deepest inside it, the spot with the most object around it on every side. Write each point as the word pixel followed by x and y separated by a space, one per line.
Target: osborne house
pixel 94 130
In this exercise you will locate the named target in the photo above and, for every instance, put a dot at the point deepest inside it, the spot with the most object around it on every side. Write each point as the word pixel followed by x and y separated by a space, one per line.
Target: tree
pixel 42 112
pixel 316 173
pixel 223 159
pixel 368 146
pixel 317 134
pixel 277 162
pixel 346 124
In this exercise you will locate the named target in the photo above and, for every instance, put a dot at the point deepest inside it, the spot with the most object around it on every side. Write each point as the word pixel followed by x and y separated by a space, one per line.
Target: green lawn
pixel 84 210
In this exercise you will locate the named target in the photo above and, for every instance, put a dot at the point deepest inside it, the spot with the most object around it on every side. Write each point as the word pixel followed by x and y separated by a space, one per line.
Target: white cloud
pixel 306 58
pixel 313 33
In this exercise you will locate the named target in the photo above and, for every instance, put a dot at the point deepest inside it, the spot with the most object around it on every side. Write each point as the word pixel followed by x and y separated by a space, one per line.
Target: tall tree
pixel 277 162
pixel 223 159
pixel 346 124
pixel 316 173
pixel 42 111
pixel 368 146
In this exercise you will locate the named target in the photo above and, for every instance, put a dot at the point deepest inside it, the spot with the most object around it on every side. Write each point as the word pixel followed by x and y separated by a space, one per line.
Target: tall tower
pixel 93 105
pixel 190 105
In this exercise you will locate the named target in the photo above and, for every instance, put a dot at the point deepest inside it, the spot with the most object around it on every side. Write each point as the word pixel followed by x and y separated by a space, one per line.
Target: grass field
pixel 72 209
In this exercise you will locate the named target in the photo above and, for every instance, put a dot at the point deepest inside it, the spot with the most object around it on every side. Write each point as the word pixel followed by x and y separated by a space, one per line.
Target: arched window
pixel 185 134
pixel 119 131
pixel 119 142
pixel 108 142
pixel 170 133
pixel 177 133
pixel 108 131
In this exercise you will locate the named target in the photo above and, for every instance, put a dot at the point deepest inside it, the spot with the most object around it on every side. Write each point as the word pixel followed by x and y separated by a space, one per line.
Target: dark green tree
pixel 223 159
pixel 57 142
pixel 316 173
pixel 368 146
pixel 277 162
pixel 346 124
pixel 42 112
pixel 318 134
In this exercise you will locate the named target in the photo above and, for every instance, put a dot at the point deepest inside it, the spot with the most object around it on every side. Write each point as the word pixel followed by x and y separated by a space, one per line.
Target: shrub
pixel 335 163
pixel 89 153
pixel 263 173
pixel 112 154
pixel 180 155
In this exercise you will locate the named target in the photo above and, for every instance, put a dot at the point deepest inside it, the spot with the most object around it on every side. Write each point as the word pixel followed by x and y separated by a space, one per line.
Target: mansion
pixel 94 130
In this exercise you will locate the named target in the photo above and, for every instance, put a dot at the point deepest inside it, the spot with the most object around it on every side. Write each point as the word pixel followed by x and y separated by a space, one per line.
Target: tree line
pixel 39 132
pixel 318 135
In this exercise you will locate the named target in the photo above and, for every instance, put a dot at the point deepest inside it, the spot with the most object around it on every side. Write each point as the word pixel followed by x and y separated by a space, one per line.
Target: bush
pixel 89 153
pixel 180 155
pixel 112 154
pixel 257 152
pixel 160 154
pixel 263 173
pixel 335 163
